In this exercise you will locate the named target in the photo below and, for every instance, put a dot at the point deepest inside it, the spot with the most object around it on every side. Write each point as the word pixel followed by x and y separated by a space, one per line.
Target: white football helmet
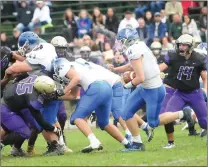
pixel 186 39
pixel 60 45
pixel 44 85
pixel 156 48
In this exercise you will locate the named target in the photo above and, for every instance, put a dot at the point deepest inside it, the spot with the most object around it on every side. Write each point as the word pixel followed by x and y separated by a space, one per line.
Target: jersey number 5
pixel 26 85
pixel 185 70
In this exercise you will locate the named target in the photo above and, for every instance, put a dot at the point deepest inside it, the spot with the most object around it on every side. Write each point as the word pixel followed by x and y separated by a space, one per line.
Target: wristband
pixel 129 85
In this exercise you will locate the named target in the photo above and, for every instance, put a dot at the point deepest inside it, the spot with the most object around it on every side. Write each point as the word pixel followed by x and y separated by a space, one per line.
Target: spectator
pixel 173 7
pixel 112 21
pixel 4 40
pixel 14 40
pixel 84 24
pixel 157 30
pixel 128 21
pixel 101 39
pixel 156 6
pixel 108 53
pixel 118 60
pixel 189 26
pixel 175 29
pixel 164 19
pixel 148 18
pixel 109 35
pixel 87 41
pixel 95 52
pixel 41 16
pixel 24 16
pixel 142 7
pixel 98 18
pixel 166 45
pixel 70 23
pixel 203 24
pixel 142 30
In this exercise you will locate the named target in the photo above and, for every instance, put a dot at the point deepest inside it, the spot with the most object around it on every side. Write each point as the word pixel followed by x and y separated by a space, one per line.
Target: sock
pixel 92 138
pixel 124 142
pixel 33 138
pixel 61 140
pixel 127 132
pixel 180 114
pixel 137 139
pixel 171 142
pixel 144 125
pixel 13 138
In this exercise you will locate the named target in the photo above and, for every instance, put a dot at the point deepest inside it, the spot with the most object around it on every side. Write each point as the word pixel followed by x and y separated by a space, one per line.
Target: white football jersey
pixel 88 72
pixel 44 54
pixel 150 66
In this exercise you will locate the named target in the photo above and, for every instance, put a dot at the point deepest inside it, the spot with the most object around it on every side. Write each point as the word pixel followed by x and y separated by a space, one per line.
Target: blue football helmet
pixel 203 47
pixel 125 38
pixel 27 42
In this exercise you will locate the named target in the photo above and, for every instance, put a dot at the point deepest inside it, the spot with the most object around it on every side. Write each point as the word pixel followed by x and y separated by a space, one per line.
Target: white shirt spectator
pixel 127 23
pixel 42 14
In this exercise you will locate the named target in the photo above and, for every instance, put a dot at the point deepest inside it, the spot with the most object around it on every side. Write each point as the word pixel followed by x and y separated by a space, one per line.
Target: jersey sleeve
pixel 204 63
pixel 134 52
pixel 169 57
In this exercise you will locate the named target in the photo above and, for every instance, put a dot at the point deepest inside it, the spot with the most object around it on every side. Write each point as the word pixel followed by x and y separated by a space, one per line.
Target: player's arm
pixel 163 67
pixel 18 67
pixel 204 79
pixel 75 79
pixel 166 62
pixel 122 69
pixel 73 95
pixel 38 117
pixel 138 69
pixel 17 56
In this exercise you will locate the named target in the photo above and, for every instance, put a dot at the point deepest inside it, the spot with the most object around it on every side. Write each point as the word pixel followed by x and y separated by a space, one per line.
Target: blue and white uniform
pixel 151 91
pixel 97 84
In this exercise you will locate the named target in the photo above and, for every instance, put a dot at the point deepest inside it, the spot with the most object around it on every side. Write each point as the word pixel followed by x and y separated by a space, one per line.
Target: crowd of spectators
pixel 94 33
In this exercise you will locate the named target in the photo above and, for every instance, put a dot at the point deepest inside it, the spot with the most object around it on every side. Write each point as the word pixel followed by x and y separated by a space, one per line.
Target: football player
pixel 97 97
pixel 150 90
pixel 39 56
pixel 188 66
pixel 26 94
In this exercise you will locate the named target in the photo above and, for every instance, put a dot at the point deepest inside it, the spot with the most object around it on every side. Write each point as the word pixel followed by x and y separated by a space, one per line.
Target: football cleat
pixel 128 137
pixel 169 145
pixel 135 147
pixel 31 150
pixel 193 133
pixel 54 149
pixel 90 148
pixel 149 132
pixel 66 149
pixel 188 117
pixel 203 133
pixel 18 152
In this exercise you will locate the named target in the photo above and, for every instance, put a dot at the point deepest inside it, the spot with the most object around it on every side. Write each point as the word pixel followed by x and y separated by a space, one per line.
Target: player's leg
pixel 200 108
pixel 103 114
pixel 87 104
pixel 169 128
pixel 133 104
pixel 18 131
pixel 49 112
pixel 117 106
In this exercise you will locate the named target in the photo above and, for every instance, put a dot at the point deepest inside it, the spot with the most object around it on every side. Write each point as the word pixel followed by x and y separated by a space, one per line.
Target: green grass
pixel 189 151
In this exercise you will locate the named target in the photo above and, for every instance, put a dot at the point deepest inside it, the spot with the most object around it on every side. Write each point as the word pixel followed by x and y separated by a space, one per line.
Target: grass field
pixel 189 151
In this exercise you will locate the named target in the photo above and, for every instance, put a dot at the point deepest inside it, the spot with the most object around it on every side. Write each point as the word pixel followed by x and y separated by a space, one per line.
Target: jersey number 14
pixel 185 70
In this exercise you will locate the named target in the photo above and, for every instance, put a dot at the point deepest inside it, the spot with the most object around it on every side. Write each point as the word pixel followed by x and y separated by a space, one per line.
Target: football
pixel 128 76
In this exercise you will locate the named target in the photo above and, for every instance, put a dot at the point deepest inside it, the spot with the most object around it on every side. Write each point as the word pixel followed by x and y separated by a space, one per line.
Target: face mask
pixel 156 52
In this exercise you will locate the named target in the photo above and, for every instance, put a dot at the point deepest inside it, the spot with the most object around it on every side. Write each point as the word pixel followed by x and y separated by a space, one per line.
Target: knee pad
pixel 102 123
pixel 169 128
